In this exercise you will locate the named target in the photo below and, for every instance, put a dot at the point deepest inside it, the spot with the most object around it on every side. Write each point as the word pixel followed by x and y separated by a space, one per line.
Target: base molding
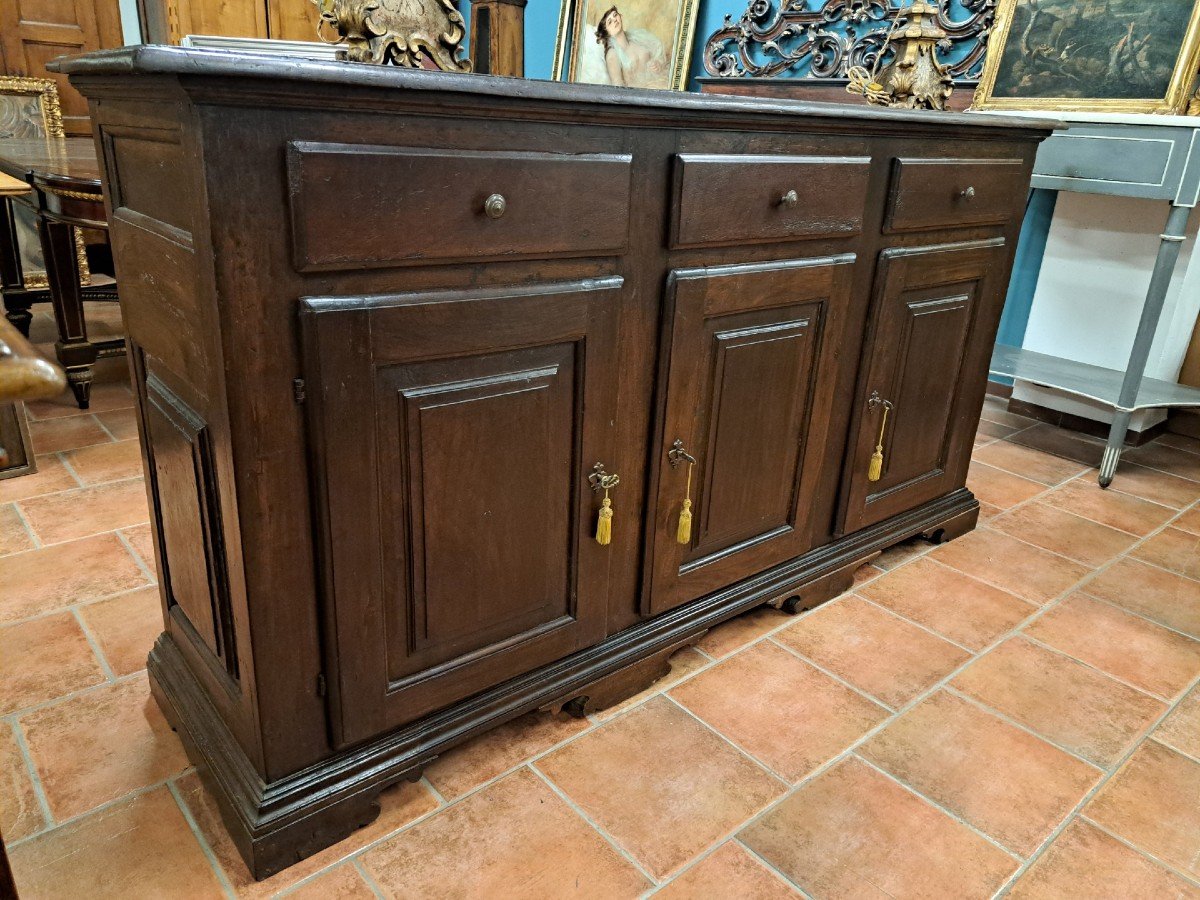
pixel 276 824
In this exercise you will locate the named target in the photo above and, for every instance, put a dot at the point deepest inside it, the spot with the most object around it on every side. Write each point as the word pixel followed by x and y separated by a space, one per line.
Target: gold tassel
pixel 604 523
pixel 683 534
pixel 876 467
pixel 875 470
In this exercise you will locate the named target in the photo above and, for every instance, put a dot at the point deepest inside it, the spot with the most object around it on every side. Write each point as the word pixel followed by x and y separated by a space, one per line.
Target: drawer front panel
pixel 455 431
pixel 729 199
pixel 951 193
pixel 356 206
pixel 1138 160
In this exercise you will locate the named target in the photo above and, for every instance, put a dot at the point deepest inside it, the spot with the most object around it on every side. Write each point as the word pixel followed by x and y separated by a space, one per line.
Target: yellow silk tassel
pixel 683 534
pixel 604 523
pixel 875 471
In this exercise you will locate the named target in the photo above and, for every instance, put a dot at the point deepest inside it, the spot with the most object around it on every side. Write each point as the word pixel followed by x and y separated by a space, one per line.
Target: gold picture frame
pixel 12 116
pixel 1098 48
pixel 574 37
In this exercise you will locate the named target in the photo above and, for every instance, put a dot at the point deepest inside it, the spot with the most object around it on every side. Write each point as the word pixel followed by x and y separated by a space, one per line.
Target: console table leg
pixel 1156 295
pixel 75 352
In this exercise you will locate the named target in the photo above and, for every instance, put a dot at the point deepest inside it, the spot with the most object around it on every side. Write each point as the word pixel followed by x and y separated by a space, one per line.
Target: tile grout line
pixel 102 807
pixel 945 810
pixel 891 612
pixel 1188 756
pixel 63 457
pixel 205 847
pixel 599 829
pixel 437 795
pixel 1145 692
pixel 871 698
pixel 979 704
pixel 33 535
pixel 778 776
pixel 59 610
pixel 771 867
pixel 104 427
pixel 142 564
pixel 70 695
pixel 1190 879
pixel 680 872
pixel 93 644
pixel 39 790
pixel 359 866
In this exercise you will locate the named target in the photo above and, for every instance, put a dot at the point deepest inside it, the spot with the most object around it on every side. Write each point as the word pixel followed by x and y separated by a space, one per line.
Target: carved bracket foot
pixel 624 683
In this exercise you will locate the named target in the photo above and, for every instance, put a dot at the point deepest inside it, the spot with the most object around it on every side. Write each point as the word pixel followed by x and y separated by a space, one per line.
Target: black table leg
pixel 76 354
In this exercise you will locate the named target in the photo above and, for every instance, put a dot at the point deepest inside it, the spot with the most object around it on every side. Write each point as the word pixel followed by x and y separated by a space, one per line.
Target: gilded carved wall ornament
pixel 826 38
pixel 913 78
pixel 401 32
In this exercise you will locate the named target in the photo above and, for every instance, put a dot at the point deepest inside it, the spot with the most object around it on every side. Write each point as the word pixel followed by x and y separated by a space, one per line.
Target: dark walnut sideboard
pixel 392 332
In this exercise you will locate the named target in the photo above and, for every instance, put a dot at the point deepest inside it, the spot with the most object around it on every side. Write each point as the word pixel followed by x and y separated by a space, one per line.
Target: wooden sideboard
pixel 386 326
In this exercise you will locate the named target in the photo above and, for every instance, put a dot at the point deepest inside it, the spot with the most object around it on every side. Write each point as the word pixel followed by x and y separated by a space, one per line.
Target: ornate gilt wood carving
pixel 826 38
pixel 913 78
pixel 402 32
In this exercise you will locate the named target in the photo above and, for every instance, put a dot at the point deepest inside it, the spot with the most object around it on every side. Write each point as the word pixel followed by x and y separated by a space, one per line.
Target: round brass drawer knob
pixel 790 199
pixel 495 205
pixel 968 193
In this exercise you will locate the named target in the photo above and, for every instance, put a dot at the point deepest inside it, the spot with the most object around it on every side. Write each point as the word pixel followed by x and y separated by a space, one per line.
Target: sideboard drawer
pixel 741 199
pixel 357 206
pixel 949 193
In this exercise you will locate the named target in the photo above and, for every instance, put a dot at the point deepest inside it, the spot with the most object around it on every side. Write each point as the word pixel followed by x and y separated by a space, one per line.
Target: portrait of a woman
pixel 630 57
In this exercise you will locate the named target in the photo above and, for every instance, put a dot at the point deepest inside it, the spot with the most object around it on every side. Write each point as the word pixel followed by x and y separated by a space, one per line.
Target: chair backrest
pixel 29 108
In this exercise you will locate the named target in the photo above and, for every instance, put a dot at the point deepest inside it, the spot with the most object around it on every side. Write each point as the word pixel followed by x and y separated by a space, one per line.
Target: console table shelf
pixel 1086 380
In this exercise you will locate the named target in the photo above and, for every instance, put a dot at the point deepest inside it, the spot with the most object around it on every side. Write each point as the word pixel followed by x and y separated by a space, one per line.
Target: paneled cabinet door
pixel 752 353
pixel 925 370
pixel 454 434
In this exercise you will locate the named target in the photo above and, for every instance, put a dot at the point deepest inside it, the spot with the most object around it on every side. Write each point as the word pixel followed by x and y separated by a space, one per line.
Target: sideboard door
pixel 453 434
pixel 752 352
pixel 925 366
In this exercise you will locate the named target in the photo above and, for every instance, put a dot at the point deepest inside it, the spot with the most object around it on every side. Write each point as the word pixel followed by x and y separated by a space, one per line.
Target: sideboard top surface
pixel 242 71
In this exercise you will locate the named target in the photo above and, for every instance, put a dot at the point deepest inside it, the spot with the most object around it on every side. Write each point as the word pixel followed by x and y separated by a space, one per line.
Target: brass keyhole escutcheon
pixel 495 206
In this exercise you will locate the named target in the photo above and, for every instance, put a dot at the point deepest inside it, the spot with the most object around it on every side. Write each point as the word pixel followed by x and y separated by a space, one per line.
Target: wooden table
pixel 65 177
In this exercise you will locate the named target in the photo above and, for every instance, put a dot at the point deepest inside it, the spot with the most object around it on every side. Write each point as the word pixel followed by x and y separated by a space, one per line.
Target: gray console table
pixel 1151 157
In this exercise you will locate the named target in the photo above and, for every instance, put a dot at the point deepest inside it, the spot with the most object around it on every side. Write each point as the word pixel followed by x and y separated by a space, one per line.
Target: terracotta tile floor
pixel 1016 712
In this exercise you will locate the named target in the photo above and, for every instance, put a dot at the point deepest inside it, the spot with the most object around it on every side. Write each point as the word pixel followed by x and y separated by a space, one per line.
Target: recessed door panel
pixel 482 473
pixel 748 408
pixel 924 370
pixel 455 432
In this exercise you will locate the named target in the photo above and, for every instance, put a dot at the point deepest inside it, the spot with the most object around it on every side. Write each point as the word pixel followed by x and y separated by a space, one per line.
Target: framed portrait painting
pixel 626 43
pixel 1133 56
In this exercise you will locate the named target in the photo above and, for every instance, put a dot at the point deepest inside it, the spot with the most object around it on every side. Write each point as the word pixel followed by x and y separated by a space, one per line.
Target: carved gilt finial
pixel 401 32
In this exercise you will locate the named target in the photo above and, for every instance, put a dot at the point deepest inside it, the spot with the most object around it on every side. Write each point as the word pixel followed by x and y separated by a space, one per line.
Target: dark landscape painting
pixel 1096 49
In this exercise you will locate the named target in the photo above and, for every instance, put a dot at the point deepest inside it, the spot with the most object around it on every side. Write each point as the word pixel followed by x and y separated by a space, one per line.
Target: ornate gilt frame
pixel 1175 102
pixel 51 110
pixel 570 21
